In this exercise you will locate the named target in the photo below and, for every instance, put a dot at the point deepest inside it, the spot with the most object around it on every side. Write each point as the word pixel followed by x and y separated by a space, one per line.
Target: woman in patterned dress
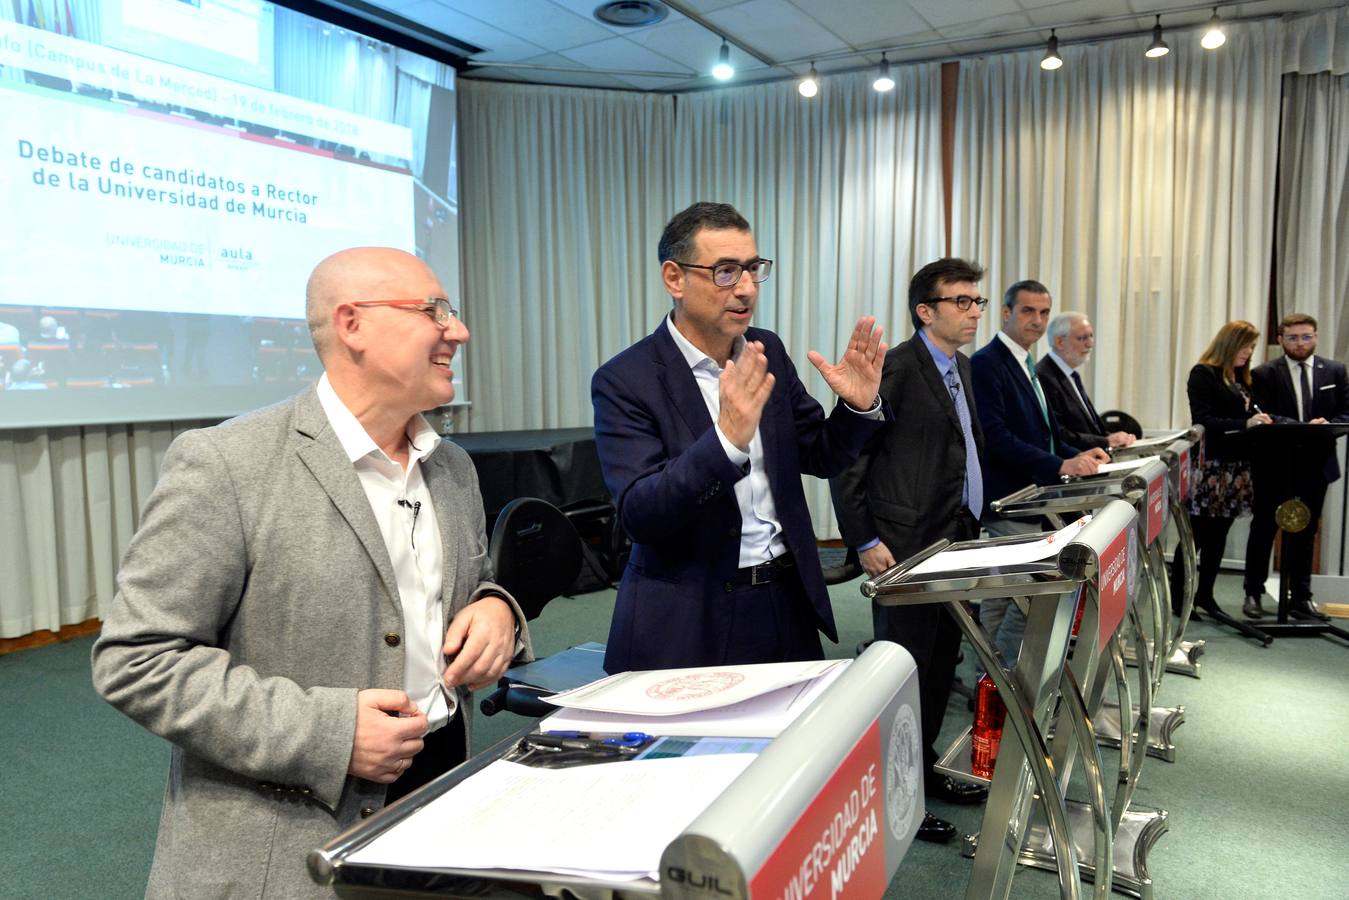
pixel 1219 389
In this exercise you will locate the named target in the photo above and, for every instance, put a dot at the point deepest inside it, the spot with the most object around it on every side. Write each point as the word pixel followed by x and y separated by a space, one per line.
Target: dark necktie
pixel 1306 392
pixel 1086 401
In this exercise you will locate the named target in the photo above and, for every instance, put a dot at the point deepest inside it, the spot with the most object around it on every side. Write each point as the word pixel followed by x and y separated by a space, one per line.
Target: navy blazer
pixel 1015 432
pixel 1272 388
pixel 674 489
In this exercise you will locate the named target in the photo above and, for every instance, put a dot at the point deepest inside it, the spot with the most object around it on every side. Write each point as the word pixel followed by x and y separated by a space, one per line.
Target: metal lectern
pixel 848 769
pixel 1042 694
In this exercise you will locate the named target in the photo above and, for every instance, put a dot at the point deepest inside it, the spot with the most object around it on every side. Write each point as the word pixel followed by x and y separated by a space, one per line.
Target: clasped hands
pixel 746 382
pixel 480 644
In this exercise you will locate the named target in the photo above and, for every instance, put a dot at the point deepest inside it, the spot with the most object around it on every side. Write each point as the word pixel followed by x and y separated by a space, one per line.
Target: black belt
pixel 773 570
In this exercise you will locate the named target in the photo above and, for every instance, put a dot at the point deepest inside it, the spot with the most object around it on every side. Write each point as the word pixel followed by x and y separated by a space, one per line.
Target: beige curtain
pixel 1312 230
pixel 844 194
pixel 70 499
pixel 1140 191
pixel 564 194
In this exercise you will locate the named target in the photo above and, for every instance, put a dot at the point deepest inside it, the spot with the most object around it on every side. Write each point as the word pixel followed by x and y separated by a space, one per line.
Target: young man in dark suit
pixel 1071 339
pixel 918 480
pixel 1297 387
pixel 1027 445
pixel 704 430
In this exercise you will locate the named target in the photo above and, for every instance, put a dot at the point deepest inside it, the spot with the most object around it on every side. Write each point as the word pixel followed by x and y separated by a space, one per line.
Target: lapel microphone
pixel 416 510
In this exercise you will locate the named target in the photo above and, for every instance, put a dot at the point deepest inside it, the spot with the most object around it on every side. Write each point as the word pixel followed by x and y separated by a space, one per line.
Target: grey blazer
pixel 254 602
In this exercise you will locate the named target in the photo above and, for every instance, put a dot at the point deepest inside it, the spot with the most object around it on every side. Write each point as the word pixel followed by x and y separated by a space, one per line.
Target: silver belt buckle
pixel 754 579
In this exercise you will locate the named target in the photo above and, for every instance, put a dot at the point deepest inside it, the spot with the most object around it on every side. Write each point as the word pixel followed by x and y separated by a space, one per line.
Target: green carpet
pixel 1258 797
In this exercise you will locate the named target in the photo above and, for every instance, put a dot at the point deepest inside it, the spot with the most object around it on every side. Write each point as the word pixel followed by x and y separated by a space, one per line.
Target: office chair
pixel 839 564
pixel 1117 420
pixel 535 551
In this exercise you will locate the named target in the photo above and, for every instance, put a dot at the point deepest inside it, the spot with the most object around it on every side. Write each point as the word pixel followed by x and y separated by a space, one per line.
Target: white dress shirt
pixel 1296 374
pixel 760 530
pixel 1067 371
pixel 401 503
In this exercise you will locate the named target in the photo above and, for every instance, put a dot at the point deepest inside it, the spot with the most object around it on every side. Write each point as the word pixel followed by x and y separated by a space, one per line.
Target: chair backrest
pixel 535 551
pixel 1118 420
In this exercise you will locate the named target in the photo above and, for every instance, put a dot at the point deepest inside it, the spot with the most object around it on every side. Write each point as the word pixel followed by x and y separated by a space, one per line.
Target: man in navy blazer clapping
pixel 704 430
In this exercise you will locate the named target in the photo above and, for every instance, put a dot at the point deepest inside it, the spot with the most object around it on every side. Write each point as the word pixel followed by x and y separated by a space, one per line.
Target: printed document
pixel 673 692
pixel 763 716
pixel 608 820
pixel 1002 554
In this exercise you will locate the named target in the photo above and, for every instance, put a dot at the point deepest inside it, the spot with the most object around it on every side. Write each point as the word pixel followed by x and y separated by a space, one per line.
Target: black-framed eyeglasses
pixel 727 274
pixel 437 308
pixel 961 301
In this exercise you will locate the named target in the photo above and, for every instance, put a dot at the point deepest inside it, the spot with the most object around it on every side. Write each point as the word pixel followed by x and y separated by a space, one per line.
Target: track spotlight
pixel 883 80
pixel 1214 36
pixel 810 85
pixel 1158 47
pixel 1052 59
pixel 723 70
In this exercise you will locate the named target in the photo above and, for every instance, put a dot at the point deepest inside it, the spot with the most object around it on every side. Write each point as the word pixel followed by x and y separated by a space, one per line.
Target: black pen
pixel 551 742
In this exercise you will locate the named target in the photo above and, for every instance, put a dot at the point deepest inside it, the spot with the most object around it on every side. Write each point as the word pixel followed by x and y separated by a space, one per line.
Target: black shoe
pixel 1194 615
pixel 935 830
pixel 1303 609
pixel 1252 609
pixel 944 787
pixel 1209 606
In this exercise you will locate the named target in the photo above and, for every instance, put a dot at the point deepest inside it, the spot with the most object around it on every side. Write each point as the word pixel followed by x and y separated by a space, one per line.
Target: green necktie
pixel 1039 395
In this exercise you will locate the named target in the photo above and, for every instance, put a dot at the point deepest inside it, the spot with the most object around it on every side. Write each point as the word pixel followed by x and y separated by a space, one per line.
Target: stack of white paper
pixel 1002 554
pixel 609 821
pixel 760 715
pixel 1123 465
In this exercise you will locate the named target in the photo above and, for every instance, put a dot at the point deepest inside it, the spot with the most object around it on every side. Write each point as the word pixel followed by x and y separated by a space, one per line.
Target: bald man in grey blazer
pixel 309 601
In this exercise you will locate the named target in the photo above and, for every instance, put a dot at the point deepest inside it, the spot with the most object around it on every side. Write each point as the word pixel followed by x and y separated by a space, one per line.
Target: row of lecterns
pixel 1099 643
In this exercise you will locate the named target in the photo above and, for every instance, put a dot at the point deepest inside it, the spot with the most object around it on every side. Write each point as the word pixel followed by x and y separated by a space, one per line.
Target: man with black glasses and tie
pixel 1297 387
pixel 704 430
pixel 918 480
pixel 1071 339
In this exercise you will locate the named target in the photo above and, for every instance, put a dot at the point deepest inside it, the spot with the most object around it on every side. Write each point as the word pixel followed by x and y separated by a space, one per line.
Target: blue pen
pixel 626 739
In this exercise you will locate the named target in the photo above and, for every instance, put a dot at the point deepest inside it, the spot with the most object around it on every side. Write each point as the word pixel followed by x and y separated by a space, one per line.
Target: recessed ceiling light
pixel 631 13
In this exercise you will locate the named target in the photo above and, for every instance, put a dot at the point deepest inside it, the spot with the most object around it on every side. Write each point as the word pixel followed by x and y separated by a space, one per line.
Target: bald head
pixel 358 273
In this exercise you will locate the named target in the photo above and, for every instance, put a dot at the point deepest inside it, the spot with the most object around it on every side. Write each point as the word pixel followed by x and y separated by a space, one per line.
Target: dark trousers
pixel 1210 539
pixel 1295 558
pixel 931 635
pixel 444 749
pixel 771 622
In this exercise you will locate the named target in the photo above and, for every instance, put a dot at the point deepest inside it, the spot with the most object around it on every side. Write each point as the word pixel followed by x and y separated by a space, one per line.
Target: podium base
pixel 956 760
pixel 1138 831
pixel 1184 659
pixel 1162 724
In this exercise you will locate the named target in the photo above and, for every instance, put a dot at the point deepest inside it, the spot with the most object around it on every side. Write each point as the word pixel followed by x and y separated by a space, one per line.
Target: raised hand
pixel 745 386
pixel 856 378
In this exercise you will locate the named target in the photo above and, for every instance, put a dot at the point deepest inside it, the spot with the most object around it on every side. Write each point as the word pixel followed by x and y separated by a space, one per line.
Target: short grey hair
pixel 1063 323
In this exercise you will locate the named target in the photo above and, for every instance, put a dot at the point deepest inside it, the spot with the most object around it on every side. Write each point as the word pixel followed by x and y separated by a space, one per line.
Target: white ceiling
pixel 559 41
